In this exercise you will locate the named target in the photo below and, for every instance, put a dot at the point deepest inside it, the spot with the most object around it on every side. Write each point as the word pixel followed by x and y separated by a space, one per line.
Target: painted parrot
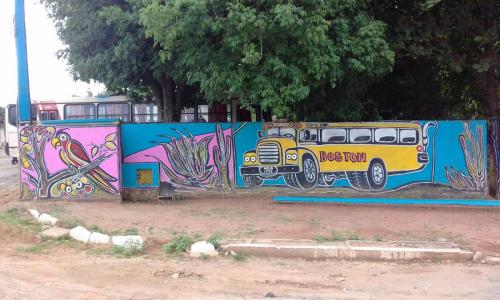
pixel 73 154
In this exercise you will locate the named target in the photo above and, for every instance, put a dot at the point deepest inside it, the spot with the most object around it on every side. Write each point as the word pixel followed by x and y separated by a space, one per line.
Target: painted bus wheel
pixel 325 181
pixel 358 180
pixel 308 178
pixel 252 181
pixel 291 181
pixel 377 174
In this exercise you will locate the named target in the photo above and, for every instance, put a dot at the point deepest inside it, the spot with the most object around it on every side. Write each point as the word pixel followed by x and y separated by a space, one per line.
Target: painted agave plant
pixel 188 158
pixel 473 149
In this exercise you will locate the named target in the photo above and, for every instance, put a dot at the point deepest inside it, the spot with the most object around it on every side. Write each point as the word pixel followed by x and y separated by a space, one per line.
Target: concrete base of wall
pixel 355 250
pixel 141 195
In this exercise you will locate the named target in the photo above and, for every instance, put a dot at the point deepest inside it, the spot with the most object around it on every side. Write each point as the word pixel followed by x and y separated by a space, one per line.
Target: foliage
pixel 178 245
pixel 15 218
pixel 270 54
pixel 215 239
pixel 447 48
pixel 473 149
pixel 239 257
pixel 105 42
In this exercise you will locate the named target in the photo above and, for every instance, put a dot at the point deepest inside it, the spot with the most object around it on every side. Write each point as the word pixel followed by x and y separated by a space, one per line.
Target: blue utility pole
pixel 23 90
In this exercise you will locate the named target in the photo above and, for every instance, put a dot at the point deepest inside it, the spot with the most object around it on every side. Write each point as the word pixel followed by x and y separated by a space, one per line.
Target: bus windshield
pixel 281 132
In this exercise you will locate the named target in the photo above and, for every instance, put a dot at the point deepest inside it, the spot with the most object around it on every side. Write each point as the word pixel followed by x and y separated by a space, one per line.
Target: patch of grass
pixel 15 218
pixel 115 251
pixel 239 257
pixel 215 239
pixel 378 238
pixel 71 223
pixel 124 252
pixel 344 236
pixel 321 238
pixel 34 249
pixel 47 244
pixel 337 236
pixel 178 245
pixel 95 228
pixel 128 231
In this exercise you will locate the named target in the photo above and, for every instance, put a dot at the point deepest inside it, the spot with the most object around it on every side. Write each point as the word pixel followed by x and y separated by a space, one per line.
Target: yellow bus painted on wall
pixel 316 154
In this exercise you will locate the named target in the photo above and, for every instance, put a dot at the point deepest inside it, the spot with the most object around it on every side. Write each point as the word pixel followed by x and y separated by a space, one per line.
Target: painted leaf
pixel 110 146
pixel 25 162
pixel 51 131
pixel 94 151
pixel 26 148
pixel 24 138
pixel 111 137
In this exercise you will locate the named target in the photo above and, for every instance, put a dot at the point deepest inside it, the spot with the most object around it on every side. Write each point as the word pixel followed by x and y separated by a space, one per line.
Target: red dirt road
pixel 69 274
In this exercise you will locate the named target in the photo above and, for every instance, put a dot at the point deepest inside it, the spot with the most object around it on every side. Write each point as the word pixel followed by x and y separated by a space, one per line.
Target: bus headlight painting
pixel 291 155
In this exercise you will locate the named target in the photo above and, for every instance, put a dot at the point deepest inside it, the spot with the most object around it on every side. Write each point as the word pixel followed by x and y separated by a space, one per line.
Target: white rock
pixel 478 256
pixel 34 213
pixel 99 238
pixel 128 241
pixel 202 248
pixel 79 233
pixel 47 219
pixel 55 232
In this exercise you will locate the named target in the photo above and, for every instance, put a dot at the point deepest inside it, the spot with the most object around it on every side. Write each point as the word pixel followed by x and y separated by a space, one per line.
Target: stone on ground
pixel 99 238
pixel 128 241
pixel 55 232
pixel 80 234
pixel 478 256
pixel 34 213
pixel 47 219
pixel 202 248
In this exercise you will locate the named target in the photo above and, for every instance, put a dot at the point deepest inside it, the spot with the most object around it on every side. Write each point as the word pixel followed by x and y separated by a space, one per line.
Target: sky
pixel 49 76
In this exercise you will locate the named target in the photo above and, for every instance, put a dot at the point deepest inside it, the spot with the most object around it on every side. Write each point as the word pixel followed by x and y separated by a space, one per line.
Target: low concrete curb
pixel 353 250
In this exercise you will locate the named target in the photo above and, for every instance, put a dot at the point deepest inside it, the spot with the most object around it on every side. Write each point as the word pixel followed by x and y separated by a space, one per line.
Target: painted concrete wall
pixel 84 160
pixel 64 161
pixel 445 153
pixel 311 156
pixel 189 155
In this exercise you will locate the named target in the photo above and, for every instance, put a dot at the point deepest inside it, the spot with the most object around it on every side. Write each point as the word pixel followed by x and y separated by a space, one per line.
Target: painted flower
pixel 76 188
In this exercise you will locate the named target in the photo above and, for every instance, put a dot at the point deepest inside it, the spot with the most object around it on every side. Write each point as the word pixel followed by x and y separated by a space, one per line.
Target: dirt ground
pixel 259 217
pixel 75 271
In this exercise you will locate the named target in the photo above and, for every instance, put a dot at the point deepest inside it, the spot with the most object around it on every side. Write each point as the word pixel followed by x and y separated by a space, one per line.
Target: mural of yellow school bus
pixel 316 154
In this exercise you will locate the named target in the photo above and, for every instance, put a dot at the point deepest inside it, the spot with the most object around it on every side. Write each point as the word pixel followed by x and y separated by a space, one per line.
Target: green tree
pixel 275 55
pixel 105 42
pixel 458 43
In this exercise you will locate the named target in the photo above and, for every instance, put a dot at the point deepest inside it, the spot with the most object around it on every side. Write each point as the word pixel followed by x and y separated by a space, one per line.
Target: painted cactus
pixel 473 150
pixel 222 155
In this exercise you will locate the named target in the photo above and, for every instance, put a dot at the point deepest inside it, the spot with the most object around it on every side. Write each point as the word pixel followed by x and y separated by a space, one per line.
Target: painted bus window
pixel 334 136
pixel 309 135
pixel 385 135
pixel 114 111
pixel 408 136
pixel 361 135
pixel 79 111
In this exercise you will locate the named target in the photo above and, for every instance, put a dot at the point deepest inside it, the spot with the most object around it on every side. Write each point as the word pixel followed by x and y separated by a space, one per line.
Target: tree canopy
pixel 321 60
pixel 272 54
